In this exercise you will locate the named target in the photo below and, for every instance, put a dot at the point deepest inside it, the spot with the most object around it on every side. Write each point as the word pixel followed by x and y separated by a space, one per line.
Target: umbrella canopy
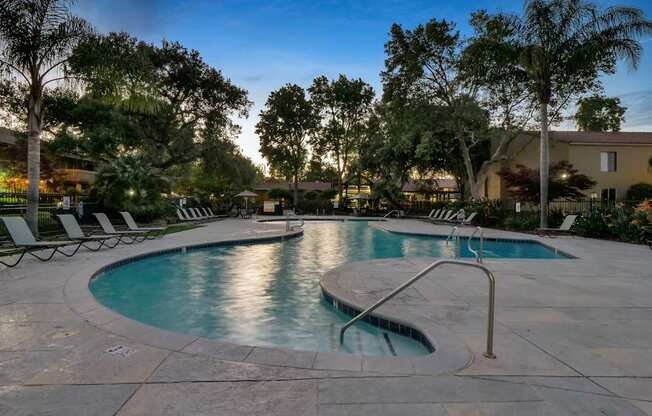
pixel 246 194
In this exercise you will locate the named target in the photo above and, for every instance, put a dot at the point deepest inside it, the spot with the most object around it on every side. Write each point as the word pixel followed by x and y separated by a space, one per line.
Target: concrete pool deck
pixel 573 336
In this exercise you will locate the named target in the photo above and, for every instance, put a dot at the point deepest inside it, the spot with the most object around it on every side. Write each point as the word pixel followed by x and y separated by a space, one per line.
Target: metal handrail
pixel 287 222
pixel 492 299
pixel 391 212
pixel 451 234
pixel 478 255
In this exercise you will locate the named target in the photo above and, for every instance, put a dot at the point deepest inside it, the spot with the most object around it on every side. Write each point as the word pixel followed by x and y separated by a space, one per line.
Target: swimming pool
pixel 268 294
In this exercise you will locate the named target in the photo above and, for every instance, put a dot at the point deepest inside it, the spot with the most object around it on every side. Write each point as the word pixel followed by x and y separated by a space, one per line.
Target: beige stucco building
pixel 614 160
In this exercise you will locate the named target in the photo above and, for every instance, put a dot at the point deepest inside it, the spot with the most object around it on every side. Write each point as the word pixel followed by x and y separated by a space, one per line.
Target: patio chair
pixel 443 217
pixel 153 232
pixel 184 218
pixel 434 213
pixel 23 239
pixel 74 231
pixel 107 227
pixel 210 211
pixel 466 221
pixel 204 211
pixel 564 228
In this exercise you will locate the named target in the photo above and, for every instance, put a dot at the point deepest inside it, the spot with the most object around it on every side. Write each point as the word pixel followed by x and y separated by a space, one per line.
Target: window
pixel 609 195
pixel 608 161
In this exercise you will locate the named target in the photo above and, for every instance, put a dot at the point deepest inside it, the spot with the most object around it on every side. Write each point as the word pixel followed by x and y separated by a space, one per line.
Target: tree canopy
pixel 343 106
pixel 283 128
pixel 599 113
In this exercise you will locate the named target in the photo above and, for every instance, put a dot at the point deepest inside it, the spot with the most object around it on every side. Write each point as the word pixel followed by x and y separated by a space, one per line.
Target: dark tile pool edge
pixel 380 322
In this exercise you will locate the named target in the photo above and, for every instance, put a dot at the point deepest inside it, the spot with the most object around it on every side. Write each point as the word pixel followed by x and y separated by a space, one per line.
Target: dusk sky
pixel 262 45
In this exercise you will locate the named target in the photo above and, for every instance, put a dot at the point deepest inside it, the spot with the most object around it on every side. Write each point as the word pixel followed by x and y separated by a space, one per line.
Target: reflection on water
pixel 268 294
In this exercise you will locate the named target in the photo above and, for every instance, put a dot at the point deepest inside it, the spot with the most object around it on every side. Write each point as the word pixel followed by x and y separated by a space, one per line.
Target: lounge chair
pixel 210 211
pixel 444 217
pixel 150 231
pixel 107 227
pixel 206 214
pixel 466 221
pixel 564 228
pixel 183 217
pixel 433 214
pixel 23 239
pixel 74 231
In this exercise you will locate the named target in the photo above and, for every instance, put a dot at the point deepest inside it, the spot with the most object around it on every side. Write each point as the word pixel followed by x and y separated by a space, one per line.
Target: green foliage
pixel 343 106
pixel 278 193
pixel 163 102
pixel 639 192
pixel 595 224
pixel 319 170
pixel 622 222
pixel 283 129
pixel 130 181
pixel 598 113
pixel 565 182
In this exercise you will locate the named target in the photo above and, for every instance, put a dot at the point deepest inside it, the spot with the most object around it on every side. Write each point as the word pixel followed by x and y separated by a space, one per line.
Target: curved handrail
pixel 289 227
pixel 492 299
pixel 478 255
pixel 451 234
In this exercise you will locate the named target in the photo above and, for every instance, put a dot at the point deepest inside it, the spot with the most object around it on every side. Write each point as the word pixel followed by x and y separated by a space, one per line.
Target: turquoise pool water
pixel 268 294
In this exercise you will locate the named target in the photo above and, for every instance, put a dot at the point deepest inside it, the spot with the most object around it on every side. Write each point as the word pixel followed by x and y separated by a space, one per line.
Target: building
pixel 615 161
pixel 67 170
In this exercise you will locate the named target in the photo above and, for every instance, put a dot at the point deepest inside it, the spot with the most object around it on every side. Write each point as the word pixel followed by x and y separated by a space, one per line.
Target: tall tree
pixel 599 113
pixel 565 46
pixel 284 128
pixel 470 84
pixel 37 38
pixel 164 102
pixel 344 106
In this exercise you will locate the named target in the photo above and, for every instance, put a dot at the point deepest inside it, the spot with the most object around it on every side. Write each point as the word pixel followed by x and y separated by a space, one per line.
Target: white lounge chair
pixel 150 231
pixel 74 231
pixel 444 216
pixel 23 239
pixel 107 227
pixel 564 228
pixel 184 217
pixel 466 221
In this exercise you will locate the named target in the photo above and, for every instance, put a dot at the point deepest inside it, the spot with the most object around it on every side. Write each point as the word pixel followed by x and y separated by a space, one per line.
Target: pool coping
pixel 450 355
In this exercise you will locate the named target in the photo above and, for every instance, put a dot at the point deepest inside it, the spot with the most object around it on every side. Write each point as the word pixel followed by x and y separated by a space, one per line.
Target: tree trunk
pixel 296 191
pixel 544 162
pixel 471 182
pixel 33 159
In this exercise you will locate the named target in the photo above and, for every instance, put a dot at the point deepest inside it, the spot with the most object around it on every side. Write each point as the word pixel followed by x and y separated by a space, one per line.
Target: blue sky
pixel 261 45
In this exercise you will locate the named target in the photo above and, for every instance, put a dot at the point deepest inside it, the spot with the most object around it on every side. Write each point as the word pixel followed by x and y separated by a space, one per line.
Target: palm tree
pixel 36 37
pixel 566 45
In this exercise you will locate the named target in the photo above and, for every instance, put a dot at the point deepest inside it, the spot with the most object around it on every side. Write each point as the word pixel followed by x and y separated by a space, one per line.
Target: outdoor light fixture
pixel 131 192
pixel 564 175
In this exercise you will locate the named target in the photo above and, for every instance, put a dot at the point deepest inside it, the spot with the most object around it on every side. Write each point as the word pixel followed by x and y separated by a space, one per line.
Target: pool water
pixel 268 294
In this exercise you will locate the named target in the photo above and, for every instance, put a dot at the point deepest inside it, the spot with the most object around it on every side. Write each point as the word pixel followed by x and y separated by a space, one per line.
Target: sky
pixel 262 45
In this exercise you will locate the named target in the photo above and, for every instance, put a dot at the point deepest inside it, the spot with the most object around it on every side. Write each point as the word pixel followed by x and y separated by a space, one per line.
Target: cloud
pixel 638 116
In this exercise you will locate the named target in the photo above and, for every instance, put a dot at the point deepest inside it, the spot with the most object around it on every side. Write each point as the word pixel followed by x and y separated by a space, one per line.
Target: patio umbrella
pixel 246 195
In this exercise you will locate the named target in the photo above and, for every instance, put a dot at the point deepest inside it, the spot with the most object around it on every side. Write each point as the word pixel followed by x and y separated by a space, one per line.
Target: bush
pixel 639 192
pixel 595 224
pixel 151 212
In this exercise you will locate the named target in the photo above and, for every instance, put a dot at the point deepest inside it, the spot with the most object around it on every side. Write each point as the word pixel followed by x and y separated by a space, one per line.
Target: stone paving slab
pixel 573 337
pixel 102 400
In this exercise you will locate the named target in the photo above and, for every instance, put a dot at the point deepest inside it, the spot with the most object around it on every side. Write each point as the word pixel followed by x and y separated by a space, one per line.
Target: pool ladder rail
pixel 489 353
pixel 288 222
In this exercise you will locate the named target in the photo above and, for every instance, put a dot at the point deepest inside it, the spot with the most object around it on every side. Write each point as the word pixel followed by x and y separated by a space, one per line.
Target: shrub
pixel 595 224
pixel 639 192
